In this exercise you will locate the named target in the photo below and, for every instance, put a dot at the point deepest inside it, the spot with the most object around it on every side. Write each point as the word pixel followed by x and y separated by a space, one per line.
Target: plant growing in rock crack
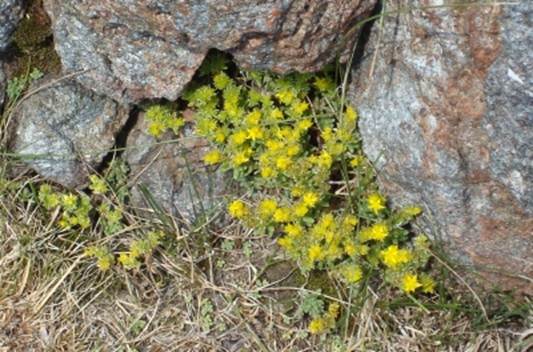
pixel 292 142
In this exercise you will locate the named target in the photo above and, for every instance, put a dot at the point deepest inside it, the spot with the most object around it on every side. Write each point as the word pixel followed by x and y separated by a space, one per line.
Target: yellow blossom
pixel 213 157
pixel 376 203
pixel 267 207
pixel 303 125
pixel 318 325
pixel 310 199
pixel 240 158
pixel 428 285
pixel 285 96
pixel 293 230
pixel 315 252
pixel 267 172
pixel 300 107
pixel 410 283
pixel 393 257
pixel 323 84
pixel 300 210
pixel 351 114
pixel 293 150
pixel 255 133
pixel 254 117
pixel 283 163
pixel 238 209
pixel 352 273
pixel 239 137
pixel 276 114
pixel 282 215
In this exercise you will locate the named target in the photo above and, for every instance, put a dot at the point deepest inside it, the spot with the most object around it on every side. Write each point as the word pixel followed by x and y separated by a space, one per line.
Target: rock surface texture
pixel 173 173
pixel 445 100
pixel 151 49
pixel 11 12
pixel 3 84
pixel 65 130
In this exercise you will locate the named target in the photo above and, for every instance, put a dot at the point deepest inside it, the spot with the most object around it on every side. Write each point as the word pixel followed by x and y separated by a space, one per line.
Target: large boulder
pixel 168 174
pixel 445 98
pixel 11 12
pixel 63 131
pixel 134 50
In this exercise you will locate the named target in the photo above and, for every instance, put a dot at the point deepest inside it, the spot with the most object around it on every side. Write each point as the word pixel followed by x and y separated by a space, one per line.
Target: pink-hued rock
pixel 445 98
pixel 143 49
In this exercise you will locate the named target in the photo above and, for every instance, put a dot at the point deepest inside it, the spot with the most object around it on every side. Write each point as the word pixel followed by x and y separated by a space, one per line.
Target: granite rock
pixel 3 84
pixel 63 131
pixel 445 99
pixel 135 50
pixel 11 12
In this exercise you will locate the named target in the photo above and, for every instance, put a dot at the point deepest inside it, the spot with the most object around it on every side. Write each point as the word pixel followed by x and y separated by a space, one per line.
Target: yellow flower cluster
pixel 294 141
pixel 326 321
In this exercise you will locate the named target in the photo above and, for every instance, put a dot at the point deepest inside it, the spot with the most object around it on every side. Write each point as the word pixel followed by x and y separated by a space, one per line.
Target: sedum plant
pixel 292 143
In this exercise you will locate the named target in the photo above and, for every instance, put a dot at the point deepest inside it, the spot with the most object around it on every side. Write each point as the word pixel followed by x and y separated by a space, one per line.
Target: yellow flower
pixel 300 210
pixel 219 137
pixel 255 133
pixel 350 249
pixel 379 231
pixel 267 172
pixel 293 230
pixel 318 325
pixel 376 232
pixel 213 157
pixel 310 199
pixel 238 209
pixel 410 283
pixel 267 208
pixel 300 107
pixel 303 125
pixel 283 163
pixel 240 158
pixel 254 117
pixel 352 273
pixel 286 242
pixel 428 285
pixel 239 137
pixel 376 203
pixel 282 215
pixel 293 150
pixel 315 252
pixel 273 145
pixel 356 161
pixel 69 201
pixel 323 84
pixel 285 96
pixel 349 222
pixel 327 134
pixel 393 257
pixel 325 160
pixel 276 114
pixel 351 114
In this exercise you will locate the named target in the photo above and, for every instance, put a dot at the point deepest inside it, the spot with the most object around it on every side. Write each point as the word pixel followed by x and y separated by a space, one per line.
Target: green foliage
pixel 161 119
pixel 139 249
pixel 17 85
pixel 292 143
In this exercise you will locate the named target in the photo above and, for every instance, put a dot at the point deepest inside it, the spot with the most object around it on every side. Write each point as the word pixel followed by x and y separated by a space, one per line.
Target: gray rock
pixel 172 171
pixel 446 116
pixel 151 49
pixel 64 131
pixel 3 84
pixel 11 12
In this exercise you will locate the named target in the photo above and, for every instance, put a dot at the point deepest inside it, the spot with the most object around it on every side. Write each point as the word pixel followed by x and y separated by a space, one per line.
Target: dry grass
pixel 222 289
